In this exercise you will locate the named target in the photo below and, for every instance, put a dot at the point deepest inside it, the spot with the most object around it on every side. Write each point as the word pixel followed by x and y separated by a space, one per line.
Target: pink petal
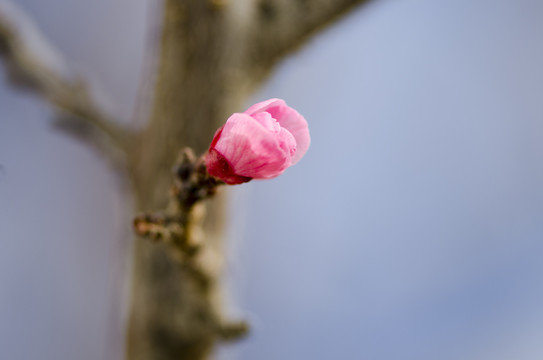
pixel 263 105
pixel 265 119
pixel 287 142
pixel 251 149
pixel 288 118
pixel 284 138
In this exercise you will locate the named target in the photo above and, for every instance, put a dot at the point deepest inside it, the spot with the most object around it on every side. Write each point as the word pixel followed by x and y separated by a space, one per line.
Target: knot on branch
pixel 192 183
pixel 179 225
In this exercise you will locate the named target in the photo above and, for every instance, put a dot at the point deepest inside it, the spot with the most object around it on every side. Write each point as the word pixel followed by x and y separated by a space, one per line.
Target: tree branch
pixel 284 25
pixel 213 53
pixel 34 65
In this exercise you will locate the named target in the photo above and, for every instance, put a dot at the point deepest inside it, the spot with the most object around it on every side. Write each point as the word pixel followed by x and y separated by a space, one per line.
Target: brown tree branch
pixel 200 81
pixel 32 64
pixel 213 54
pixel 282 26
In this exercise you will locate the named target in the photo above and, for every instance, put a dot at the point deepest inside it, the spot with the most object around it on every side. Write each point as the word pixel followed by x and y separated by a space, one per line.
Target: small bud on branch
pixel 260 143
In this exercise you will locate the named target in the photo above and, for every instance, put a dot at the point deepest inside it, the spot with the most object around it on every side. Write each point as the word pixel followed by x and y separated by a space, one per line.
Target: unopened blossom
pixel 259 143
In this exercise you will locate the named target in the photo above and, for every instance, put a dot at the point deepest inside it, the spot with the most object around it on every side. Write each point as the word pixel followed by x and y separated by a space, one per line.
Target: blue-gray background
pixel 412 229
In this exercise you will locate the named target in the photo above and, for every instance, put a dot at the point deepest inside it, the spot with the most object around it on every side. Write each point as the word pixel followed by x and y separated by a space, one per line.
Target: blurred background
pixel 412 229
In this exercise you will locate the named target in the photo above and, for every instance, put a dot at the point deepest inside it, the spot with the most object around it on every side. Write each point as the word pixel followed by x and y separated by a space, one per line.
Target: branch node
pixel 233 330
pixel 180 225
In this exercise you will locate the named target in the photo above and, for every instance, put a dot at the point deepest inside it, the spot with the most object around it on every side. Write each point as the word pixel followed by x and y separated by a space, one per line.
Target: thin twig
pixel 34 65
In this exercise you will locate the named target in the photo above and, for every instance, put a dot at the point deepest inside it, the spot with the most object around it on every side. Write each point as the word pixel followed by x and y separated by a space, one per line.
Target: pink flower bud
pixel 259 143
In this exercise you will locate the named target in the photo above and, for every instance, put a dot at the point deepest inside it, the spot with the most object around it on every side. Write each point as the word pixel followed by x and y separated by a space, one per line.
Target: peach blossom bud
pixel 259 143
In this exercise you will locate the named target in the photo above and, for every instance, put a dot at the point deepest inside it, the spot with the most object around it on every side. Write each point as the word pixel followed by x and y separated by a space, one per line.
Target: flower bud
pixel 259 143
